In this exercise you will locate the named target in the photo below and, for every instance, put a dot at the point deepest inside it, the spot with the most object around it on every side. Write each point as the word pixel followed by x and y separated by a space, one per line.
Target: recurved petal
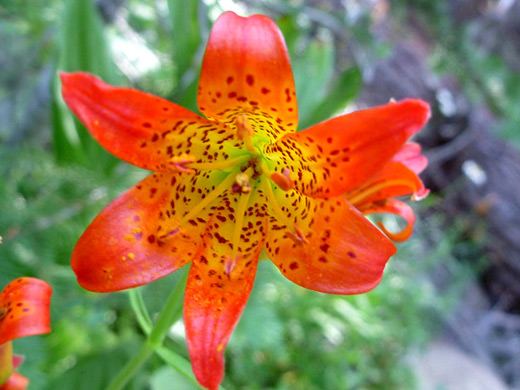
pixel 331 247
pixel 149 231
pixel 246 69
pixel 396 207
pixel 24 309
pixel 395 179
pixel 410 155
pixel 143 129
pixel 335 156
pixel 15 382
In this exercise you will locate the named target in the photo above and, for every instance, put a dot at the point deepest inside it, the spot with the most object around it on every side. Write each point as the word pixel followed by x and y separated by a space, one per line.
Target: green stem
pixel 170 313
pixel 131 367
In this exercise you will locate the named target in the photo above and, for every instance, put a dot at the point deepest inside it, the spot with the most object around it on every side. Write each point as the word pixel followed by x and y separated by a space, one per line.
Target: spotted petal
pixel 330 247
pixel 142 129
pixel 246 69
pixel 337 155
pixel 149 231
pixel 220 282
pixel 24 309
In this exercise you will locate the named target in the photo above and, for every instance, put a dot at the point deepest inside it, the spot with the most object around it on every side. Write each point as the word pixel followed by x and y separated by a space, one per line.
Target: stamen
pixel 364 193
pixel 219 190
pixel 220 164
pixel 298 238
pixel 179 162
pixel 3 312
pixel 240 213
pixel 283 180
pixel 245 132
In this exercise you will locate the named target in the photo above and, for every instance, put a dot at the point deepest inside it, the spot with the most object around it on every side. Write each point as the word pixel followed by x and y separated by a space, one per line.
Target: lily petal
pixel 142 129
pixel 145 233
pixel 410 155
pixel 246 69
pixel 395 179
pixel 395 207
pixel 219 286
pixel 335 156
pixel 15 382
pixel 24 309
pixel 337 250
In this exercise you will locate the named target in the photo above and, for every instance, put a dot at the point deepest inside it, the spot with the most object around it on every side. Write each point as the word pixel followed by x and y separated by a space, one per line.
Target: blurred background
pixel 447 313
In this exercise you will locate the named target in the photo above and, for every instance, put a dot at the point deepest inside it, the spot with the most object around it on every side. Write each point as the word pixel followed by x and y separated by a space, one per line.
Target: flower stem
pixel 170 313
pixel 131 367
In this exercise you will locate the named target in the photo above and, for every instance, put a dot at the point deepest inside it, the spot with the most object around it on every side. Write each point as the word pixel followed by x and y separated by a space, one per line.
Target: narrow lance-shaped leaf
pixel 82 46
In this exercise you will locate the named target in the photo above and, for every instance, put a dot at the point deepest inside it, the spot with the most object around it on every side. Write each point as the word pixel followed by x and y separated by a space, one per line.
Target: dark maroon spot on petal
pixel 231 95
pixel 351 254
pixel 151 238
pixel 147 125
pixel 265 91
pixel 324 247
pixel 293 265
pixel 203 259
pixel 323 260
pixel 230 80
pixel 242 99
pixel 250 80
pixel 155 137
pixel 253 103
pixel 219 94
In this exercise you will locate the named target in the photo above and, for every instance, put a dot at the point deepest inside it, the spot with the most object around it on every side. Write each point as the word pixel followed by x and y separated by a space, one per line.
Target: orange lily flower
pixel 24 311
pixel 234 182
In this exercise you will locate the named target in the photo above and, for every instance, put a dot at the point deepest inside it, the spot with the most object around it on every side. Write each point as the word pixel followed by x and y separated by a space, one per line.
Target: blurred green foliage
pixel 288 338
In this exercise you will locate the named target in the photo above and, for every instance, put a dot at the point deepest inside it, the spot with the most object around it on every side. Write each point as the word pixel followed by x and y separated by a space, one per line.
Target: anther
pixel 3 312
pixel 179 162
pixel 283 180
pixel 241 184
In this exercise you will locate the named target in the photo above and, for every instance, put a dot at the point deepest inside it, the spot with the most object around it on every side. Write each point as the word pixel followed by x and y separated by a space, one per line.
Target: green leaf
pixel 168 379
pixel 312 73
pixel 83 47
pixel 186 33
pixel 342 92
